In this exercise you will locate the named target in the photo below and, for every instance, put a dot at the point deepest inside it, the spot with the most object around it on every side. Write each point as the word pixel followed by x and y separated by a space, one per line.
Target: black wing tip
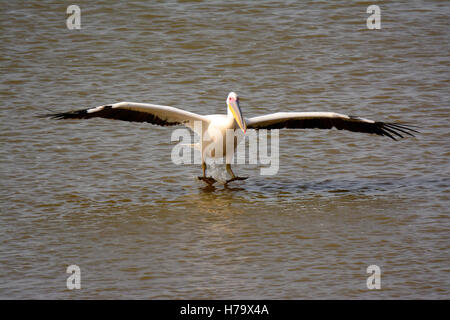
pixel 68 115
pixel 407 128
pixel 45 116
pixel 76 114
pixel 56 116
pixel 391 129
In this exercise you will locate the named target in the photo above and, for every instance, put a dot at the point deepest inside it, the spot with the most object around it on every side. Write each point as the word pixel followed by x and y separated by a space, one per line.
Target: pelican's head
pixel 235 110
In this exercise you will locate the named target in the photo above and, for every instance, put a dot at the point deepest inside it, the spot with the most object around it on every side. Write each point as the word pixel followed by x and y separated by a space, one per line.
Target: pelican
pixel 213 127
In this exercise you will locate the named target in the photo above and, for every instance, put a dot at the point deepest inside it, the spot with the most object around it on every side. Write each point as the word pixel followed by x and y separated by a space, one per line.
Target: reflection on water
pixel 105 195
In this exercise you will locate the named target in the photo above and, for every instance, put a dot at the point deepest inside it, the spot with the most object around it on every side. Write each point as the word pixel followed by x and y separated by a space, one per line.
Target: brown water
pixel 105 195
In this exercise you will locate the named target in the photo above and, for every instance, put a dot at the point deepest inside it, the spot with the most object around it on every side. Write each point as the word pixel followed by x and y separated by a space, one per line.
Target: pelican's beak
pixel 236 110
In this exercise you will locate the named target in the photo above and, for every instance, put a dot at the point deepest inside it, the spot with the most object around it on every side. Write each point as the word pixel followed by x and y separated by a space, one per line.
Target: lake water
pixel 104 195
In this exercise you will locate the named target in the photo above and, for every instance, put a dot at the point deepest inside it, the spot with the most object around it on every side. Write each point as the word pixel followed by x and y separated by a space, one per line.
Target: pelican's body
pixel 213 128
pixel 215 137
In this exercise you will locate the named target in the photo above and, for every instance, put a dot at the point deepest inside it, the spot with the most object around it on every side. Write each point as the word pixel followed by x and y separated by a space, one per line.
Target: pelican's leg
pixel 233 177
pixel 228 166
pixel 208 180
pixel 204 169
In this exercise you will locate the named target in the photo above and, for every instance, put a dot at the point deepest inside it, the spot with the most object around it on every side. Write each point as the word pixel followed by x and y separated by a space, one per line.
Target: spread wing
pixel 137 112
pixel 328 120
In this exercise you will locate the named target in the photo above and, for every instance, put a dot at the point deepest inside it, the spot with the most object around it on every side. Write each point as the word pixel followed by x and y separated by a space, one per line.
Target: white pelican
pixel 213 128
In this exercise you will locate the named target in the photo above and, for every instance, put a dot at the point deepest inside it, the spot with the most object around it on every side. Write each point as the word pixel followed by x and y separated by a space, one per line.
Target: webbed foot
pixel 236 178
pixel 208 180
